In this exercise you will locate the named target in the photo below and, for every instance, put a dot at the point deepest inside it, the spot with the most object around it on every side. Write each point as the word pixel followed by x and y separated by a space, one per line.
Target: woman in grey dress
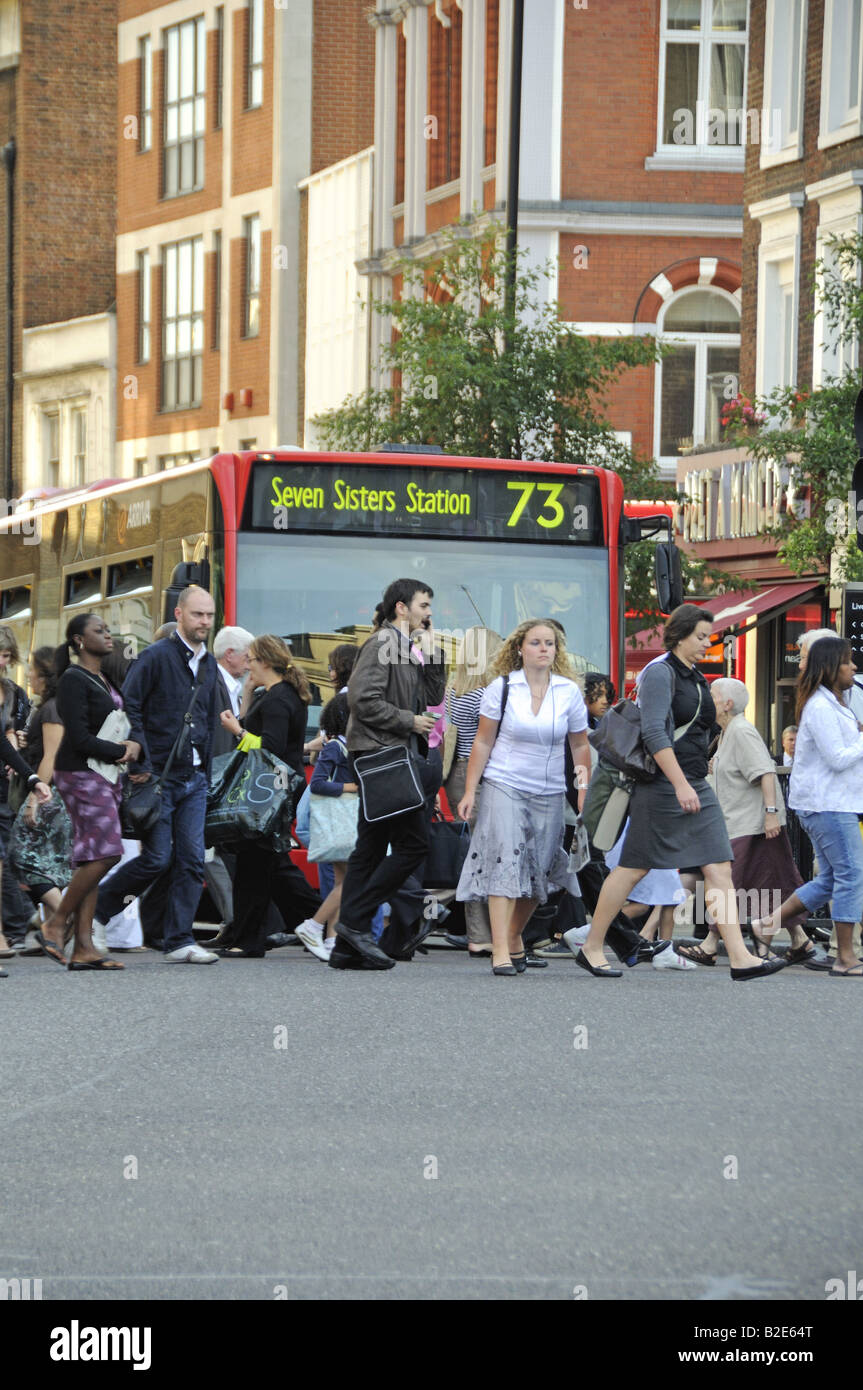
pixel 675 819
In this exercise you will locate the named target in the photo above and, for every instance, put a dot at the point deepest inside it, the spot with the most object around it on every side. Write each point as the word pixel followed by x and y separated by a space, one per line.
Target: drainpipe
pixel 8 155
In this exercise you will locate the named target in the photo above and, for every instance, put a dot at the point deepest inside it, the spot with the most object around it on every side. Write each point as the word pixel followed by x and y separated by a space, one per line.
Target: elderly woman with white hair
pixel 751 801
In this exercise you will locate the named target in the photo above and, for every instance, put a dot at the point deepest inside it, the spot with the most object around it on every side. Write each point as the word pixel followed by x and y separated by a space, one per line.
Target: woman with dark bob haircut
pixel 675 821
pixel 827 794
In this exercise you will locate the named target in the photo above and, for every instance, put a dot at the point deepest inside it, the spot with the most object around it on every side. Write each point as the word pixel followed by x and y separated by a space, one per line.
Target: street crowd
pixel 509 740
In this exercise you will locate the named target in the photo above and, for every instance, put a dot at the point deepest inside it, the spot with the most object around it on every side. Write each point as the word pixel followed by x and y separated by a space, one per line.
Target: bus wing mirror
pixel 667 577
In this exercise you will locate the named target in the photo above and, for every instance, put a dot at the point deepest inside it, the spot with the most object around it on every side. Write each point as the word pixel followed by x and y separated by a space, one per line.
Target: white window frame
pixel 255 71
pixel 780 220
pixel 252 276
pixel 840 214
pixel 78 419
pixel 189 107
pixel 175 277
pixel 836 57
pixel 52 458
pixel 701 342
pixel 144 307
pixel 701 153
pixel 783 67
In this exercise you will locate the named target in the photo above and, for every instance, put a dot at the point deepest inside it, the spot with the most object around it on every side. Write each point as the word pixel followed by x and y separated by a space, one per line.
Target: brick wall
pixel 620 268
pixel 492 22
pixel 444 97
pixel 249 357
pixel 343 76
pixel 609 123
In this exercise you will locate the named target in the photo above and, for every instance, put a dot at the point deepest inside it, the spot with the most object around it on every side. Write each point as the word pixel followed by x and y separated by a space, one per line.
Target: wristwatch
pixel 771 810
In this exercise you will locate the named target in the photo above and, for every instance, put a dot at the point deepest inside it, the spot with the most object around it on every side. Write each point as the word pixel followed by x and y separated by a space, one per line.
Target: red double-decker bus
pixel 303 545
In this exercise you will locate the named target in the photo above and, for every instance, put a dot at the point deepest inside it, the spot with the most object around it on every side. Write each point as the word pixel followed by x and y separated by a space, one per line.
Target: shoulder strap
pixel 504 696
pixel 681 730
pixel 187 724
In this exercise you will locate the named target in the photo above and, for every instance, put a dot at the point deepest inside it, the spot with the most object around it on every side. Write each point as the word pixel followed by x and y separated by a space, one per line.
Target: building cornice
pixel 772 207
pixel 839 183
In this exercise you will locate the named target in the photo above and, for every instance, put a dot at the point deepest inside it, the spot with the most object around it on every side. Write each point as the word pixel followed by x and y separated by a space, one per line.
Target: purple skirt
pixel 94 810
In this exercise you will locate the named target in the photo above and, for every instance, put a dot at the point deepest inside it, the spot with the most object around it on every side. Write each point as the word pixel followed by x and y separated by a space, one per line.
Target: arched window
pixel 694 382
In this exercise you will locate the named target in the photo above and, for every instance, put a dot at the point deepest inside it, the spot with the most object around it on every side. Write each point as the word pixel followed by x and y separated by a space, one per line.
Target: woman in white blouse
pixel 517 847
pixel 827 793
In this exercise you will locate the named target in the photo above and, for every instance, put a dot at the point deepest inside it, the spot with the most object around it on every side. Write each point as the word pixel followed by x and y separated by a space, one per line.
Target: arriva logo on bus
pixel 25 525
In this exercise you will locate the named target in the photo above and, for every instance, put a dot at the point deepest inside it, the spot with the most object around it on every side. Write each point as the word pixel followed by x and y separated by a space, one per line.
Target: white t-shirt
pixel 528 752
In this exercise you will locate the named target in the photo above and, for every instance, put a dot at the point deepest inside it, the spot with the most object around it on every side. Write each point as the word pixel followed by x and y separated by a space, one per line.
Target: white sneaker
pixel 195 955
pixel 311 933
pixel 576 937
pixel 670 960
pixel 322 949
pixel 100 939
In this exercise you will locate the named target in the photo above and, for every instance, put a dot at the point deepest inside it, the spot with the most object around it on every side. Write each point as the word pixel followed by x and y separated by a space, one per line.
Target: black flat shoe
pixel 239 953
pixel 754 972
pixel 605 971
pixel 525 960
pixel 505 970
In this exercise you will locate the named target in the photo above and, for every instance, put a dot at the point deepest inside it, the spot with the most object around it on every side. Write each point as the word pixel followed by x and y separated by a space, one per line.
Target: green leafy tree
pixel 485 378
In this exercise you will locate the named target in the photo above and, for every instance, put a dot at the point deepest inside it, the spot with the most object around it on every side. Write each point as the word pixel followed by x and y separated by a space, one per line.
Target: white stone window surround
pixel 778 265
pixel 700 155
pixel 702 342
pixel 840 214
pixel 841 65
pixel 784 81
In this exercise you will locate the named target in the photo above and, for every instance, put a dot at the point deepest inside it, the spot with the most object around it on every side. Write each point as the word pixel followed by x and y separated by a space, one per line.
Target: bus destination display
pixel 440 502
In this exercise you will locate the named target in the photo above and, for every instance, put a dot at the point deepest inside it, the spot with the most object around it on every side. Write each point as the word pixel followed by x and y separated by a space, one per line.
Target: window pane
pixel 187 166
pixel 723 378
pixel 794 74
pixel 256 87
pixel 184 336
pixel 186 120
pixel 184 381
pixel 253 326
pixel 702 311
pixel 854 56
pixel 684 14
pixel 171 282
pixel 678 400
pixel 172 124
pixel 200 115
pixel 731 14
pixel 726 91
pixel 171 339
pixel 202 57
pixel 199 162
pixel 256 25
pixel 198 273
pixel 146 131
pixel 168 397
pixel 170 171
pixel 171 66
pixel 187 60
pixel 197 334
pixel 681 92
pixel 197 379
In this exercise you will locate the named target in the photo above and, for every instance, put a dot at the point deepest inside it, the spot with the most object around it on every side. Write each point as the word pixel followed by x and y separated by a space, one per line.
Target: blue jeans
pixel 835 837
pixel 174 852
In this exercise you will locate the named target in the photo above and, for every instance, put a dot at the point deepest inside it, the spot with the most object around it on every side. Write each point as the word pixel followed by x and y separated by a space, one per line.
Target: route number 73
pixel 551 504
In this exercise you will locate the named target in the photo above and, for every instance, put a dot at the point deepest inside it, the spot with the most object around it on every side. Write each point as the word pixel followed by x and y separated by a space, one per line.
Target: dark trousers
pixel 622 937
pixel 176 842
pixel 373 876
pixel 262 877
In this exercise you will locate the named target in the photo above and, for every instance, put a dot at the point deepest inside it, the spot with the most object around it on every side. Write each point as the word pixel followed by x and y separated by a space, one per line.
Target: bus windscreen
pixel 421 501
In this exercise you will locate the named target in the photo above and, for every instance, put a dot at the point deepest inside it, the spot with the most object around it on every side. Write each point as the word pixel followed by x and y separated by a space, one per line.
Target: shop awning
pixel 732 613
pixel 738 610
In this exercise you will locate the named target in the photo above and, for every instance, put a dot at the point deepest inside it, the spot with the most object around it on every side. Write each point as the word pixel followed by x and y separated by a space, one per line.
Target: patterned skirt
pixel 94 807
pixel 516 849
pixel 40 853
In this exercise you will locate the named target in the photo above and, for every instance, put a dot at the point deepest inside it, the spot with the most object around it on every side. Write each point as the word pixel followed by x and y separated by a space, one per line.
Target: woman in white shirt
pixel 517 847
pixel 827 793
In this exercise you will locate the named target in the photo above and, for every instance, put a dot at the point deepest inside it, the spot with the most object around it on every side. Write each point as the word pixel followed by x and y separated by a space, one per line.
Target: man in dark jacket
pixel 157 695
pixel 398 675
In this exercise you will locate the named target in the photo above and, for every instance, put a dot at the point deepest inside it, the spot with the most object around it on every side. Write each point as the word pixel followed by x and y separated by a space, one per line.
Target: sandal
pixel 103 964
pixel 799 955
pixel 50 948
pixel 696 953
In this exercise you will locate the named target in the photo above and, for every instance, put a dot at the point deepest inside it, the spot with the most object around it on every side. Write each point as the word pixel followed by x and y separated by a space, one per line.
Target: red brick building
pixel 631 172
pixel 223 110
pixel 803 183
pixel 58 86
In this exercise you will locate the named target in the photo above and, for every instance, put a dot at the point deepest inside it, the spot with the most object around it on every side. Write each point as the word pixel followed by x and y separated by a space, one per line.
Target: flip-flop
pixel 849 973
pixel 103 964
pixel 50 948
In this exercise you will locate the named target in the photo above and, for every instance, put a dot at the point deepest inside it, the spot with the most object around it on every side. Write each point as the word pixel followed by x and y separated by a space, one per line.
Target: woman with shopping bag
pixel 275 722
pixel 332 824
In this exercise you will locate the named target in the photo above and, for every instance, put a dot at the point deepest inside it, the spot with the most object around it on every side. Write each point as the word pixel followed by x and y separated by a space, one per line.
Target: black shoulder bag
pixel 141 802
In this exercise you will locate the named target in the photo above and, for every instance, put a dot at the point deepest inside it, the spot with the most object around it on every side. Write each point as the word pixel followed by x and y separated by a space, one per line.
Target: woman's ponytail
pixel 75 628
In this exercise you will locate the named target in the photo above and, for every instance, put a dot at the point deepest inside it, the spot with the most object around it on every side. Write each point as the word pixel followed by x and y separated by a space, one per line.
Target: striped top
pixel 463 714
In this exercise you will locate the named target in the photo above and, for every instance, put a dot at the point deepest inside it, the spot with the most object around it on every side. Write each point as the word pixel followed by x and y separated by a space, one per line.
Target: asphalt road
pixel 307 1170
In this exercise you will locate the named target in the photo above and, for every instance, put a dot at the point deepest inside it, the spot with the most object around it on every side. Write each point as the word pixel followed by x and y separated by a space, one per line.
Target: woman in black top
pixel 277 716
pixel 85 698
pixel 675 820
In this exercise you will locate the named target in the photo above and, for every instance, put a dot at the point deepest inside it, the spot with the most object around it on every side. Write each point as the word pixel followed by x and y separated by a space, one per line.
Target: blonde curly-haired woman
pixel 517 851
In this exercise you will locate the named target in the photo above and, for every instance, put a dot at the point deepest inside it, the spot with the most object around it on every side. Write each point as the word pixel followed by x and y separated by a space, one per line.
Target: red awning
pixel 737 611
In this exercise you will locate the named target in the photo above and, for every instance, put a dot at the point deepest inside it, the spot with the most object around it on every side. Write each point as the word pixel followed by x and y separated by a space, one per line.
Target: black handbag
pixel 389 782
pixel 252 799
pixel 449 842
pixel 141 802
